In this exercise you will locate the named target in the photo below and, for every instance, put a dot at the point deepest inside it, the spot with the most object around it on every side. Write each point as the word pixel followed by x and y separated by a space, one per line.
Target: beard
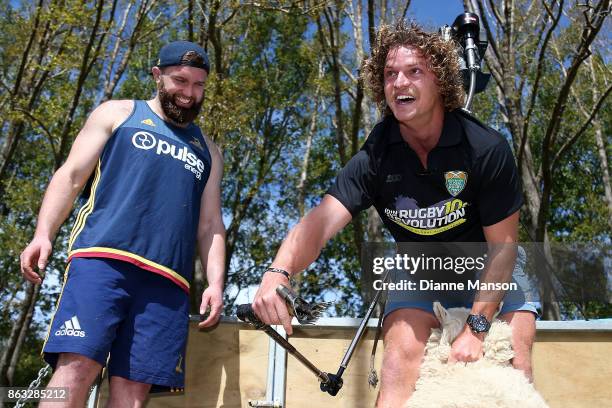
pixel 174 112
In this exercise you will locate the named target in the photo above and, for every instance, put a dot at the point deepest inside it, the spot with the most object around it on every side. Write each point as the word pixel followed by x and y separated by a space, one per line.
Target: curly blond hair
pixel 441 58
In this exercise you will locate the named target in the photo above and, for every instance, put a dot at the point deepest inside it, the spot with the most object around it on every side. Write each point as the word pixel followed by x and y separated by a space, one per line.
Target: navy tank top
pixel 143 204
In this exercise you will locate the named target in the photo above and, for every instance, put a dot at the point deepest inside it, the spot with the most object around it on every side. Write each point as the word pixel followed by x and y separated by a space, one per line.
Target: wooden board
pixel 325 348
pixel 573 370
pixel 227 367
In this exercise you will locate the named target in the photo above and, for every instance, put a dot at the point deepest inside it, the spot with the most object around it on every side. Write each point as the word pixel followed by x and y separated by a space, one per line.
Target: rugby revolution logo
pixel 71 327
pixel 431 220
pixel 455 181
pixel 146 141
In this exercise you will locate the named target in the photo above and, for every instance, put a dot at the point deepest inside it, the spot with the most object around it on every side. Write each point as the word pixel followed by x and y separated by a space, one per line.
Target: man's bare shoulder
pixel 119 109
pixel 215 151
pixel 117 106
pixel 112 113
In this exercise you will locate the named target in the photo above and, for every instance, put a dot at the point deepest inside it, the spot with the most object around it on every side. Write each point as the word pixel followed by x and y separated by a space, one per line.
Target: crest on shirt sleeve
pixel 455 181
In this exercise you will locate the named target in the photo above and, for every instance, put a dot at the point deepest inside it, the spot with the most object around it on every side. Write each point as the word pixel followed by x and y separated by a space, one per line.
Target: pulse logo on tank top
pixel 146 141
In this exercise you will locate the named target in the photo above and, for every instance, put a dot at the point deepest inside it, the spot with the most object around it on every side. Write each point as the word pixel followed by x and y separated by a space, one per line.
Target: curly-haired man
pixel 425 159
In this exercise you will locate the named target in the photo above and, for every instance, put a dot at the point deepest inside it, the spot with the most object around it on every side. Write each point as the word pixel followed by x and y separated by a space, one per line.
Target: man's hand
pixel 213 297
pixel 35 254
pixel 268 305
pixel 467 347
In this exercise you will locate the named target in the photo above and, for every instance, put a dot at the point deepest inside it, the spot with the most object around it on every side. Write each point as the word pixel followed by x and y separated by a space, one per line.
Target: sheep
pixel 490 382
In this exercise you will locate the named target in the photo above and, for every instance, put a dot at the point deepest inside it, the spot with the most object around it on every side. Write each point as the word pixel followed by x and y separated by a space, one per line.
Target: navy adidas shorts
pixel 139 317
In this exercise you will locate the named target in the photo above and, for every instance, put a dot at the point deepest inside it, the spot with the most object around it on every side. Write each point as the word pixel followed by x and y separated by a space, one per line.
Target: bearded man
pixel 153 194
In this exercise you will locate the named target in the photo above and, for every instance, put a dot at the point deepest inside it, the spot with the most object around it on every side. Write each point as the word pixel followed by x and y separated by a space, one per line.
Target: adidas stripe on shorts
pixel 138 317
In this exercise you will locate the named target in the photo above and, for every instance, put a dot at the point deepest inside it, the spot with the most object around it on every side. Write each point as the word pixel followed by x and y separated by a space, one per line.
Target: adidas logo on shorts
pixel 71 328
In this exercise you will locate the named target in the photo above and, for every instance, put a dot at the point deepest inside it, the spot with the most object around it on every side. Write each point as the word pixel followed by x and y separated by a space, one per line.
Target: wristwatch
pixel 478 323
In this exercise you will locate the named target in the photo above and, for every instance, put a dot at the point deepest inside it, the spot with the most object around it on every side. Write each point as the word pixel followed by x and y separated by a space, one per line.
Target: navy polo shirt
pixel 471 181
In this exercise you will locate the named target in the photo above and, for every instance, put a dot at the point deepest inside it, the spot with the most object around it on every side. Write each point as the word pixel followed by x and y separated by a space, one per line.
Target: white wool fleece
pixel 490 382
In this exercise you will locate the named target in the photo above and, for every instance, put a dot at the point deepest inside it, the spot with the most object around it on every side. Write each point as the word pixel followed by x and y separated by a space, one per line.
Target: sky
pixel 435 13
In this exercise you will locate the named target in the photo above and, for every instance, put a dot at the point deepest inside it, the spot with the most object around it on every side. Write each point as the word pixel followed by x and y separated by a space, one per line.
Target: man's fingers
pixel 43 259
pixel 265 308
pixel 456 357
pixel 284 317
pixel 32 276
pixel 215 312
pixel 260 309
pixel 266 298
pixel 215 309
pixel 466 358
pixel 212 319
pixel 216 305
pixel 204 304
pixel 272 310
pixel 35 254
pixel 26 267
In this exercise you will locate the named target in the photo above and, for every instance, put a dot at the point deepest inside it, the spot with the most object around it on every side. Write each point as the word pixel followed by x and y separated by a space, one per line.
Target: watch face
pixel 478 323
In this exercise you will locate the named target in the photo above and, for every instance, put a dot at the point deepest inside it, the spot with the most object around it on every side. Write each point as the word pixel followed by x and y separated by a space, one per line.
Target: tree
pixel 533 96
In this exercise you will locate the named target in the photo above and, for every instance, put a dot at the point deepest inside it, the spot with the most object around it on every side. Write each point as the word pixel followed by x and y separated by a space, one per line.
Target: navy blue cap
pixel 175 53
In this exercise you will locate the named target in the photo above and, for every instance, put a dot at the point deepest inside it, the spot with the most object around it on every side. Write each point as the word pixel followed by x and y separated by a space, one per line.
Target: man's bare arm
pixel 68 180
pixel 501 238
pixel 211 240
pixel 300 248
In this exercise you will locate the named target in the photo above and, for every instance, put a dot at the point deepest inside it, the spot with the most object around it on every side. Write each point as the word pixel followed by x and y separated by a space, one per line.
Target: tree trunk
pixel 602 150
pixel 89 58
pixel 29 307
pixel 190 18
pixel 329 41
pixel 12 345
pixel 15 132
pixel 108 88
pixel 301 187
pixel 141 14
